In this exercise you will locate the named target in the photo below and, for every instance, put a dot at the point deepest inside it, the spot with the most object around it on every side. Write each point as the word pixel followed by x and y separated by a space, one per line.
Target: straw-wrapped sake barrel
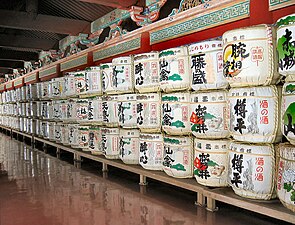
pixel 80 82
pixel 93 81
pixel 110 142
pixel 151 151
pixel 210 163
pixel 38 127
pixel 32 91
pixel 71 110
pixel 178 156
pixel 55 87
pixel 255 114
pixel 82 110
pixel 94 142
pixel 57 132
pixel 127 111
pixel 73 135
pixel 285 46
pixel 129 146
pixel 149 112
pixel 83 137
pixel 146 72
pixel 286 176
pixel 123 77
pixel 51 130
pixel 288 111
pixel 110 110
pixel 56 110
pixel 175 113
pixel 107 83
pixel 174 69
pixel 249 57
pixel 208 114
pixel 69 85
pixel 64 129
pixel 95 115
pixel 206 64
pixel 33 108
pixel 252 169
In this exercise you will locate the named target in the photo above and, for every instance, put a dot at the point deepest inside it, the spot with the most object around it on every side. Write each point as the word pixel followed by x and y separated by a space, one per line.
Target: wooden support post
pixel 45 147
pixel 142 189
pixel 105 174
pixel 211 205
pixel 104 167
pixel 58 152
pixel 200 199
pixel 11 134
pixel 77 160
pixel 142 180
pixel 32 142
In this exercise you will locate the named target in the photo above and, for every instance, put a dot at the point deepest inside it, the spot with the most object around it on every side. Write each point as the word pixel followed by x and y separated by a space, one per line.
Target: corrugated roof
pixel 73 9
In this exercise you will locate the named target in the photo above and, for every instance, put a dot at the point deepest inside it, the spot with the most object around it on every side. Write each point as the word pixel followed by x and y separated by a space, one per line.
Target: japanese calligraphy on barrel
pixel 127 111
pixel 178 156
pixel 206 65
pixel 106 70
pixel 93 81
pixel 286 47
pixel 252 170
pixel 175 113
pixel 255 114
pixel 83 137
pixel 208 114
pixel 110 142
pixel 151 151
pixel 249 56
pixel 110 110
pixel 210 163
pixel 174 69
pixel 94 142
pixel 129 146
pixel 149 112
pixel 146 72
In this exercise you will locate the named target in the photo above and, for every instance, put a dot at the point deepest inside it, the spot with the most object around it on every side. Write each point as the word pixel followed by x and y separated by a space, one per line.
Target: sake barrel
pixel 206 64
pixel 249 56
pixel 174 69
pixel 110 111
pixel 129 146
pixel 33 107
pixel 62 88
pixel 73 135
pixel 94 142
pixel 23 109
pixel 178 156
pixel 64 134
pixel 151 151
pixel 31 126
pixel 83 137
pixel 110 142
pixel 18 95
pixel 82 110
pixel 51 130
pixel 39 109
pixel 93 81
pixel 149 112
pixel 146 72
pixel 32 91
pixel 27 109
pixel 127 111
pixel 175 113
pixel 55 87
pixel 107 83
pixel 25 124
pixel 50 110
pixel 123 77
pixel 71 110
pixel 44 129
pixel 210 162
pixel 39 90
pixel 288 111
pixel 285 46
pixel 38 127
pixel 63 104
pixel 252 169
pixel 44 90
pixel 44 109
pixel 69 85
pixel 23 91
pixel 286 176
pixel 57 132
pixel 80 82
pixel 209 114
pixel 95 115
pixel 56 110
pixel 255 114
pixel 49 90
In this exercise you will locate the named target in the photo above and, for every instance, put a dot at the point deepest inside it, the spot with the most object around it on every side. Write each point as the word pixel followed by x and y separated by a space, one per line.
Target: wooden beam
pixel 54 24
pixel 121 4
pixel 26 42
pixel 19 55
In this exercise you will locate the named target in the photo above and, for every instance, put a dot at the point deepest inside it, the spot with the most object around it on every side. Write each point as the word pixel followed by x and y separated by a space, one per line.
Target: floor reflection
pixel 36 188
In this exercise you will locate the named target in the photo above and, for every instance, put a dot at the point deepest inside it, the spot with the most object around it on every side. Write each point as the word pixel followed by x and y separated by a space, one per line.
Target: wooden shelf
pixel 272 208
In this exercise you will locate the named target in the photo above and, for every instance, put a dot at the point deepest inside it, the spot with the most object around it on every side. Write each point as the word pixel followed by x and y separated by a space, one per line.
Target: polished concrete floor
pixel 36 188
